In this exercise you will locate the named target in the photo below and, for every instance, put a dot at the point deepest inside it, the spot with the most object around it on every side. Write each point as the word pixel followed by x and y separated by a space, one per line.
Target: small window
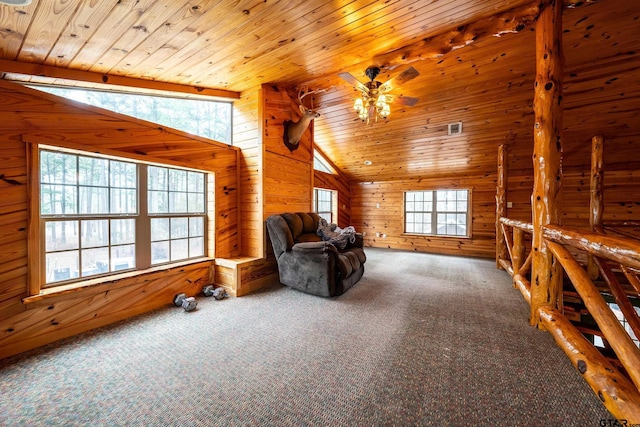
pixel 320 163
pixel 437 212
pixel 324 203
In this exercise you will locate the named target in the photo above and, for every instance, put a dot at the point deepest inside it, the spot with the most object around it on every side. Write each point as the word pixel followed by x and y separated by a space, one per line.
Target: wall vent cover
pixel 454 128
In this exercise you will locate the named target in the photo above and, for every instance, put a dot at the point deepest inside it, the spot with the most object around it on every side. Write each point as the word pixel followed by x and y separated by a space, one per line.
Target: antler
pixel 304 91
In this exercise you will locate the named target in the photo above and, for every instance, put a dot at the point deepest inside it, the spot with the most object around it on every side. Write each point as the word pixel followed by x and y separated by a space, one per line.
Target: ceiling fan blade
pixel 353 81
pixel 405 76
pixel 409 101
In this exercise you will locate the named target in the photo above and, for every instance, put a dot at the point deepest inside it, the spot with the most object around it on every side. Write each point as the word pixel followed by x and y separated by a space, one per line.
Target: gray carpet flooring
pixel 421 340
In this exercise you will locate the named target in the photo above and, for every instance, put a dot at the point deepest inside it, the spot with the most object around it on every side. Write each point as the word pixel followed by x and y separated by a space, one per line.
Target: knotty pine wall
pixel 30 115
pixel 387 219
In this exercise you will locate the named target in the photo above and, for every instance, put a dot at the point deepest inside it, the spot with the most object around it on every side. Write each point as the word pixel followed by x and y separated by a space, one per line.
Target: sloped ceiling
pixel 467 74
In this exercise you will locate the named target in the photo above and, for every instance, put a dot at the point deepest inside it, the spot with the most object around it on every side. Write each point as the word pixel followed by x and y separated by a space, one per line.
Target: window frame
pixel 434 214
pixel 36 231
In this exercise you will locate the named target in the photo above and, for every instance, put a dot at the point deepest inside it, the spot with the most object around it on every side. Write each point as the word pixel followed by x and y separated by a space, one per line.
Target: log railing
pixel 517 265
pixel 619 393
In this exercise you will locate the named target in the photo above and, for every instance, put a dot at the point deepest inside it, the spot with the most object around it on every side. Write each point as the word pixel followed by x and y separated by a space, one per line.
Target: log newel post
pixel 501 204
pixel 546 283
pixel 596 202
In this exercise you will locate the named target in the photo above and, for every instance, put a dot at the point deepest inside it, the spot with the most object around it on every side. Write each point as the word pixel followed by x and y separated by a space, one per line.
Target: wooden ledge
pixel 116 281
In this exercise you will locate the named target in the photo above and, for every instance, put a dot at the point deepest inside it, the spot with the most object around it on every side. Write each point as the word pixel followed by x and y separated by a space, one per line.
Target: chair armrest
pixel 313 248
pixel 359 242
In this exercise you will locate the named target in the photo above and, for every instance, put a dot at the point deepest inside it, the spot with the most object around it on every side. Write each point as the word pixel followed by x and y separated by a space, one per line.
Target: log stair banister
pixel 619 294
pixel 625 349
pixel 516 249
pixel 615 390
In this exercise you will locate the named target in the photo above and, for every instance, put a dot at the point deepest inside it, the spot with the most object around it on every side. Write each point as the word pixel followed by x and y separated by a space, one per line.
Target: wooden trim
pixel 34 238
pixel 98 79
pixel 616 392
pixel 501 202
pixel 547 156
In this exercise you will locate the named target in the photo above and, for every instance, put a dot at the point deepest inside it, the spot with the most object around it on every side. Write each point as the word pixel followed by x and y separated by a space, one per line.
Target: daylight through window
pixel 437 212
pixel 324 203
pixel 94 220
pixel 209 119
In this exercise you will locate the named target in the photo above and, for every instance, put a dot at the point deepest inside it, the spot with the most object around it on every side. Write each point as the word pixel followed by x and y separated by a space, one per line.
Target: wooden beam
pixel 596 202
pixel 501 202
pixel 100 80
pixel 546 278
pixel 512 21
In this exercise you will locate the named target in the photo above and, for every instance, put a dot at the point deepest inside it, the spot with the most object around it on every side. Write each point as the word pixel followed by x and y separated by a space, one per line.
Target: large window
pixel 206 118
pixel 102 215
pixel 325 203
pixel 437 212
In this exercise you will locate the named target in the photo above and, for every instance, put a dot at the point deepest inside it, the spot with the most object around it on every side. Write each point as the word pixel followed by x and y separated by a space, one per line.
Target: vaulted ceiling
pixel 467 73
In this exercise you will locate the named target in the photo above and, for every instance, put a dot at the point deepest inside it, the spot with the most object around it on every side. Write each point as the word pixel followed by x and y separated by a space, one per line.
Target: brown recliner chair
pixel 308 263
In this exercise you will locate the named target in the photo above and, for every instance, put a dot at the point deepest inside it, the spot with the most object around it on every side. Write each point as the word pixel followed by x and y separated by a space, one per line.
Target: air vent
pixel 454 128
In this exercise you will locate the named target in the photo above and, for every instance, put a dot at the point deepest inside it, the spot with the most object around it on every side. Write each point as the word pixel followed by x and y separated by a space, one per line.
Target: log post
pixel 596 202
pixel 517 255
pixel 501 203
pixel 546 283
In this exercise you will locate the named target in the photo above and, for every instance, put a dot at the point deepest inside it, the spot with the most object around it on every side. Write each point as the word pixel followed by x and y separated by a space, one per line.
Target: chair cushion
pixel 295 224
pixel 307 223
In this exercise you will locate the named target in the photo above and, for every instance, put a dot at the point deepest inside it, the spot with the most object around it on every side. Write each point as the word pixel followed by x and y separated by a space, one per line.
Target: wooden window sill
pixel 116 281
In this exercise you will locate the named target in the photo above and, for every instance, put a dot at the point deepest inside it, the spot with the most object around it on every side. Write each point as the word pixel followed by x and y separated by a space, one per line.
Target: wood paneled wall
pixel 387 219
pixel 30 115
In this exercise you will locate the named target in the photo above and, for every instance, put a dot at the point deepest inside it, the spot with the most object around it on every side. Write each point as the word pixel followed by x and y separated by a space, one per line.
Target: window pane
pixel 177 180
pixel 160 252
pixel 195 202
pixel 195 182
pixel 157 178
pixel 57 168
pixel 93 171
pixel 94 233
pixel 179 249
pixel 93 260
pixel 196 246
pixel 159 229
pixel 158 202
pixel 123 257
pixel 94 200
pixel 61 266
pixel 58 200
pixel 196 226
pixel 179 228
pixel 61 235
pixel 177 202
pixel 123 231
pixel 123 201
pixel 123 175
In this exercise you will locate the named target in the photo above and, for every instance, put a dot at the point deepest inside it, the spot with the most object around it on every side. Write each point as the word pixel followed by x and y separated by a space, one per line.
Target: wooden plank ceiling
pixel 237 45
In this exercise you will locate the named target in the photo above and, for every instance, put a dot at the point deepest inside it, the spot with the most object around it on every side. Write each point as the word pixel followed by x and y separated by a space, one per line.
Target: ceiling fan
pixel 375 99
